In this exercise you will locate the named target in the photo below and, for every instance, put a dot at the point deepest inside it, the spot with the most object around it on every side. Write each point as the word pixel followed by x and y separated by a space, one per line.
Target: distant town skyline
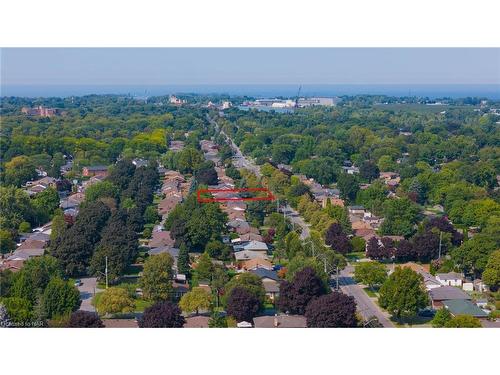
pixel 209 66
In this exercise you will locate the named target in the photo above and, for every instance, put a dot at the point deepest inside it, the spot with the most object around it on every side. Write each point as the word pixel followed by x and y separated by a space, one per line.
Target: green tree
pixel 441 318
pixel 7 244
pixel 358 244
pixel 386 164
pixel 348 186
pixel 156 281
pixel 25 227
pixel 299 262
pixel 216 249
pixel 204 267
pixel 19 310
pixel 463 321
pixel 196 299
pixel 183 264
pixel 151 215
pixel 104 189
pixel 114 300
pixel 491 274
pixel 59 298
pixel 403 293
pixel 118 243
pixel 400 217
pixel 45 203
pixel 248 281
pixel 370 273
pixel 19 170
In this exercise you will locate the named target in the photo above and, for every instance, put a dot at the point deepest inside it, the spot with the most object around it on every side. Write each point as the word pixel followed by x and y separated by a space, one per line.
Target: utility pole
pixel 106 272
pixel 337 277
pixel 440 243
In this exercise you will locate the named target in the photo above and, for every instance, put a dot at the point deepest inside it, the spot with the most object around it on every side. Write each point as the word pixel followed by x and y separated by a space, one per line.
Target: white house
pixel 450 278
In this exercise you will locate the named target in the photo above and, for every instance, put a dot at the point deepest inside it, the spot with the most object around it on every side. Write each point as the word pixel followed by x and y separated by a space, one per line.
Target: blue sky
pixel 114 66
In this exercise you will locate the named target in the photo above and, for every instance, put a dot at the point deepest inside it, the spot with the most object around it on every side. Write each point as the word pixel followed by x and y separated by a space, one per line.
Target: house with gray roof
pixel 270 280
pixel 280 321
pixel 446 293
pixel 464 307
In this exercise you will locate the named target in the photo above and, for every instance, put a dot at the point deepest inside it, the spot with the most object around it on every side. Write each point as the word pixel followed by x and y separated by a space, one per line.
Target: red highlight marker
pixel 268 197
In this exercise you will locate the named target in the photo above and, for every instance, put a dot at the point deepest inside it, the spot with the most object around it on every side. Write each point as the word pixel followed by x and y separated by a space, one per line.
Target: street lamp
pixel 105 273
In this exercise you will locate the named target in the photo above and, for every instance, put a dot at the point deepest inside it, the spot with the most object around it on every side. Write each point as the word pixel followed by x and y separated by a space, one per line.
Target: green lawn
pixel 141 305
pixel 371 293
pixel 417 321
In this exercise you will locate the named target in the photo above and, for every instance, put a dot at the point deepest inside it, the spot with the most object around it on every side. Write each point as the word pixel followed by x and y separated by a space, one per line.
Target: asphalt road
pixel 297 220
pixel 240 161
pixel 366 307
pixel 87 290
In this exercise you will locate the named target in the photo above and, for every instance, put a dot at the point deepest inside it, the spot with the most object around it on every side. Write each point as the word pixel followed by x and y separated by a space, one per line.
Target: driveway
pixel 87 291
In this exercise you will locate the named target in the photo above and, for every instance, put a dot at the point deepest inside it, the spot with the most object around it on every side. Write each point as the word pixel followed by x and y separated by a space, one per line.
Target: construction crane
pixel 297 98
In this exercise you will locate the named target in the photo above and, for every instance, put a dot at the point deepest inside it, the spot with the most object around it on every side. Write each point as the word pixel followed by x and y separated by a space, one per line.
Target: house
pixel 446 293
pixel 120 323
pixel 244 255
pixel 350 170
pixel 255 263
pixel 140 163
pixel 199 321
pixel 167 204
pixel 255 246
pixel 323 200
pixel 72 201
pixel 173 251
pixel 464 307
pixel 179 289
pixel 161 239
pixel 356 210
pixel 270 280
pixel 360 224
pixel 365 234
pixel 238 224
pixel 35 189
pixel 92 181
pixel 430 281
pixel 280 321
pixel 250 237
pixel 45 181
pixel 13 265
pixel 176 146
pixel 251 246
pixel 96 170
pixel 450 278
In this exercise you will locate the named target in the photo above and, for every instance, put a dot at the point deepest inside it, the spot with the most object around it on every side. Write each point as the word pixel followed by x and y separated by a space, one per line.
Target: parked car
pixel 78 282
pixel 427 313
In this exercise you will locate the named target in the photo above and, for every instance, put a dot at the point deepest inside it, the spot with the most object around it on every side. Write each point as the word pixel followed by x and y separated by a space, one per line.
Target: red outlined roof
pixel 231 195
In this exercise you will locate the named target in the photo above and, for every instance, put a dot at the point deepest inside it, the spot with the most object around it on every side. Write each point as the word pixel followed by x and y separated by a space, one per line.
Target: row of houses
pixel 451 291
pixel 31 245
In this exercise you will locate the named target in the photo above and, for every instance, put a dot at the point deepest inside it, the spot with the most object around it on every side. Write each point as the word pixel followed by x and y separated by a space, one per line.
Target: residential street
pixel 298 220
pixel 87 291
pixel 240 161
pixel 366 307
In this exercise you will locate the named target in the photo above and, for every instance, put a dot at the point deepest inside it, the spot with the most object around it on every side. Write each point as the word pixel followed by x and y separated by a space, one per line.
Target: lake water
pixel 258 91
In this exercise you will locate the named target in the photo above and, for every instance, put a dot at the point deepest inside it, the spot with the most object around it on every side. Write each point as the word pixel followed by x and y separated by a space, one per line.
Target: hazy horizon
pixel 249 66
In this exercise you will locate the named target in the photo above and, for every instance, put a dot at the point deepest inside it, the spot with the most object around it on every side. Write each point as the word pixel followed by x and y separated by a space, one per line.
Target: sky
pixel 191 66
